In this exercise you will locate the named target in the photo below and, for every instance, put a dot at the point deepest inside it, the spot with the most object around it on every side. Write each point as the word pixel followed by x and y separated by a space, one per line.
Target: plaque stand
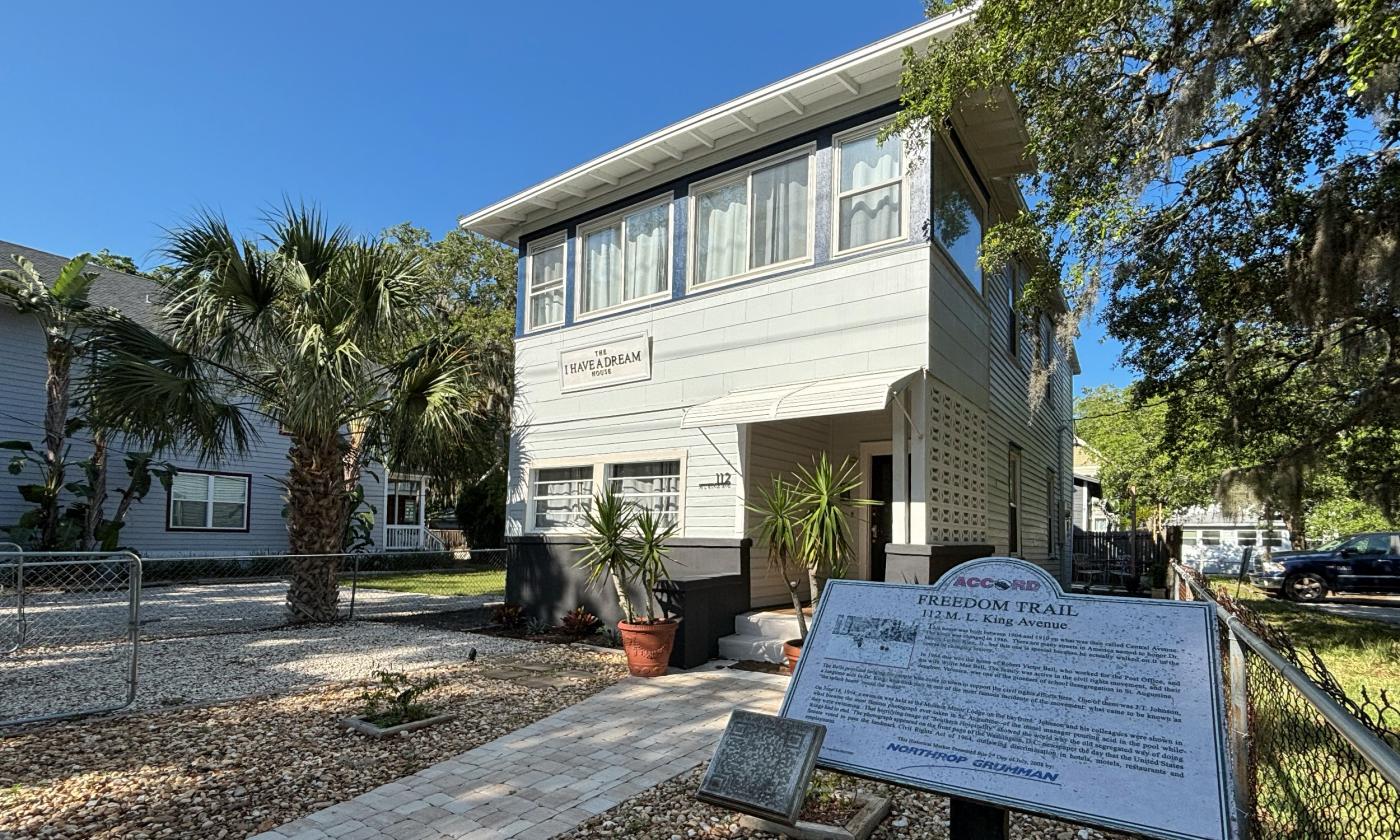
pixel 968 820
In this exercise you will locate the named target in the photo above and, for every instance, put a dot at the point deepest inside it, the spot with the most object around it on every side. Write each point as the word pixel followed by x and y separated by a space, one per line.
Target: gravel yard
pixel 235 769
pixel 201 668
pixel 670 811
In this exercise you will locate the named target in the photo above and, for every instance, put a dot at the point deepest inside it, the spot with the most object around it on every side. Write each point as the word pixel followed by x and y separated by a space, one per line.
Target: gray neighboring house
pixel 233 507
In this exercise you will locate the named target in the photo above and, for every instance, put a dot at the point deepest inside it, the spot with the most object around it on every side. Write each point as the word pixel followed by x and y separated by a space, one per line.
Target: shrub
pixel 579 622
pixel 509 615
pixel 394 699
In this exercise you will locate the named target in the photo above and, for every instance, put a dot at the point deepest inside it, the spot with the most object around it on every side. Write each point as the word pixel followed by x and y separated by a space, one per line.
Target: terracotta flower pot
pixel 648 646
pixel 791 650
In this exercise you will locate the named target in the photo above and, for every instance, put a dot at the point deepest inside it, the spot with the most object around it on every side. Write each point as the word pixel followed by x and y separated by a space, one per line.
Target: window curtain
pixel 780 213
pixel 874 214
pixel 547 282
pixel 722 226
pixel 602 268
pixel 646 270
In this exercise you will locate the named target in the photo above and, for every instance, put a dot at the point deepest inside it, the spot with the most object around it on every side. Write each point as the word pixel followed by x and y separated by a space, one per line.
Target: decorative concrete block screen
pixel 957 442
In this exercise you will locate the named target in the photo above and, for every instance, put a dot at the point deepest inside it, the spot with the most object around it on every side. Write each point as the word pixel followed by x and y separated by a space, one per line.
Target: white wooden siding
pixel 856 316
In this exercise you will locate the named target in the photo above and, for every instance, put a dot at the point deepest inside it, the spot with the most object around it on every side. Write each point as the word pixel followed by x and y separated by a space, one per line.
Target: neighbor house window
pixel 1013 501
pixel 545 285
pixel 208 502
pixel 957 213
pixel 869 190
pixel 1190 537
pixel 1210 538
pixel 562 496
pixel 650 485
pixel 1273 539
pixel 1247 538
pixel 626 258
pixel 752 219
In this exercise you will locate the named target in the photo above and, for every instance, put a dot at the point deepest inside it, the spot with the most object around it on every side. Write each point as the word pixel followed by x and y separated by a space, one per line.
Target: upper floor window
pixel 545 285
pixel 752 219
pixel 1015 282
pixel 208 502
pixel 958 213
pixel 869 190
pixel 626 258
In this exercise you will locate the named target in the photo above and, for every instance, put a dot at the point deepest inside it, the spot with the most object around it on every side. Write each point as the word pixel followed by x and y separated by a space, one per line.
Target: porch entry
pixel 874 525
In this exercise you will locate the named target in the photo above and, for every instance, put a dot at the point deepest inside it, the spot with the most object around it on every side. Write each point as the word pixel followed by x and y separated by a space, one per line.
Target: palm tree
pixel 332 338
pixel 826 498
pixel 781 511
pixel 59 308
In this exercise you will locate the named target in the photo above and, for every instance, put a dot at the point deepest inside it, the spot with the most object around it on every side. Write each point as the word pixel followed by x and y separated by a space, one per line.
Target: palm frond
pixel 299 231
pixel 159 396
pixel 72 284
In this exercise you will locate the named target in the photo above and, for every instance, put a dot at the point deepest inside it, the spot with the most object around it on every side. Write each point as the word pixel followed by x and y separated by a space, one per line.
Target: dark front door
pixel 881 515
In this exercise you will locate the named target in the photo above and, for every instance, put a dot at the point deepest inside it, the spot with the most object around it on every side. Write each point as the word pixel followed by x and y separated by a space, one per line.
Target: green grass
pixel 1357 651
pixel 478 582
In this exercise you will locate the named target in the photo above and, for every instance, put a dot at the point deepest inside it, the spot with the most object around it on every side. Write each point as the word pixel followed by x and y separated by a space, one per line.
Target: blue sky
pixel 122 118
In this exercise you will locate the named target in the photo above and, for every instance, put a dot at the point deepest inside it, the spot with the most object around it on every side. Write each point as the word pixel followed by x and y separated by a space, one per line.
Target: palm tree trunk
pixel 56 383
pixel 316 503
pixel 98 499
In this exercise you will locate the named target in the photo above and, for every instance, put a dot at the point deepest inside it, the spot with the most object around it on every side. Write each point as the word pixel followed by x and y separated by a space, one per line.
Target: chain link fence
pixel 1316 762
pixel 67 616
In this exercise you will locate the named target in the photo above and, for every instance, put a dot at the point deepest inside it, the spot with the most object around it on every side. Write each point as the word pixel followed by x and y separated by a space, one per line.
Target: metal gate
pixel 68 633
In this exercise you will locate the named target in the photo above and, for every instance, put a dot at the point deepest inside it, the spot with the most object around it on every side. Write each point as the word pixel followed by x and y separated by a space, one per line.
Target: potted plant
pixel 624 545
pixel 780 514
pixel 804 522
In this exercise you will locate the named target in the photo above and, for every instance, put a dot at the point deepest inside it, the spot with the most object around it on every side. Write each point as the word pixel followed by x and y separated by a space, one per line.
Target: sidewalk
pixel 554 774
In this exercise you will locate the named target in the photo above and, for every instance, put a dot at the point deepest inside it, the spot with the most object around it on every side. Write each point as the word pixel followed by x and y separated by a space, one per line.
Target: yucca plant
pixel 781 513
pixel 825 493
pixel 652 532
pixel 608 544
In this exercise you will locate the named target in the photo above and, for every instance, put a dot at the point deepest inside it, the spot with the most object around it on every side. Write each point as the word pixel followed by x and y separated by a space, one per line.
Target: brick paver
pixel 557 772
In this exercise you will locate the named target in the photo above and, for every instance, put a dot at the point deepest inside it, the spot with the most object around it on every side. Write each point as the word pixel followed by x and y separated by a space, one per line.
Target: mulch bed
pixel 670 810
pixel 235 769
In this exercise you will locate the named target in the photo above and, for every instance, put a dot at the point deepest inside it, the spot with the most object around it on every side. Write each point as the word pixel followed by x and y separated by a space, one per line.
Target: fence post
pixel 134 619
pixel 354 585
pixel 1241 748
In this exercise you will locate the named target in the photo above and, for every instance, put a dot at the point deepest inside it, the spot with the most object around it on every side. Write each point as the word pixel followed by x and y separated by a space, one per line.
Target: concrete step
pixel 769 624
pixel 752 648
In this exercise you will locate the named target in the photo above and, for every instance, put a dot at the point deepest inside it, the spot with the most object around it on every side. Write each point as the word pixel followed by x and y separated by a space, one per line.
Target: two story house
pixel 231 508
pixel 726 298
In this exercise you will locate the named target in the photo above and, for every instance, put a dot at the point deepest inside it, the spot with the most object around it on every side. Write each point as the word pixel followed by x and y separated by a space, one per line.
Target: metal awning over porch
pixel 840 395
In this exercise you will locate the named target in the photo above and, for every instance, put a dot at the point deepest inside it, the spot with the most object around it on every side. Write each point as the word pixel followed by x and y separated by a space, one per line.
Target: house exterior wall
pixel 857 316
pixel 22 383
pixel 897 307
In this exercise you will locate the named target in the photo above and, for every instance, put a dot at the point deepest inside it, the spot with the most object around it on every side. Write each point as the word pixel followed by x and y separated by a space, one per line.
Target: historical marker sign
pixel 762 765
pixel 624 359
pixel 996 686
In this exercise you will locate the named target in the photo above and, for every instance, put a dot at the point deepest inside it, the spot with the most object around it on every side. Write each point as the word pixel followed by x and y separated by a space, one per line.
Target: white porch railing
pixel 404 537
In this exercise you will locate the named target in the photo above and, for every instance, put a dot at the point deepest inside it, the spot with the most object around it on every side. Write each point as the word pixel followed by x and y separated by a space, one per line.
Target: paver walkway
pixel 554 774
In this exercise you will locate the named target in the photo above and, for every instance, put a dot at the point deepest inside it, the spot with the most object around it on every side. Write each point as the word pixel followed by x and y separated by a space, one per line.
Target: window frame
pixel 210 475
pixel 598 464
pixel 1219 537
pixel 534 249
pixel 594 225
pixel 733 176
pixel 980 287
pixel 860 132
pixel 1015 501
pixel 608 478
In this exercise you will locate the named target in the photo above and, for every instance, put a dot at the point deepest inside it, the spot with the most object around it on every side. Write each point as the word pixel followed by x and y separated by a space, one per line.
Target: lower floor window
pixel 208 501
pixel 650 485
pixel 562 497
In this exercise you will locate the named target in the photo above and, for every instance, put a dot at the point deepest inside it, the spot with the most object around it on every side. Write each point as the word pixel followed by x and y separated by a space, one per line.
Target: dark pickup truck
pixel 1359 563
